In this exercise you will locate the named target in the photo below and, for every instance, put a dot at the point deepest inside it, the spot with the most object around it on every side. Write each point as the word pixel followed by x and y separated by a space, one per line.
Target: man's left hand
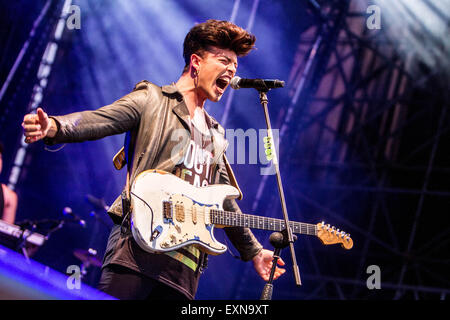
pixel 263 265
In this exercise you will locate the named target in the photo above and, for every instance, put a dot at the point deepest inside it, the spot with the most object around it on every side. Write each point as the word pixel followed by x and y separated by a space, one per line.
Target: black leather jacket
pixel 150 115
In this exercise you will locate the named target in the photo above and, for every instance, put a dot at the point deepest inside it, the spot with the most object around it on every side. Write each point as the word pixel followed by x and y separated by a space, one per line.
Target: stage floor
pixel 26 279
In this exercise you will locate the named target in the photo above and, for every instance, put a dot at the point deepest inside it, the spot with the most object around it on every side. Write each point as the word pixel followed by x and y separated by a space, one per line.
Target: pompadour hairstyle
pixel 216 33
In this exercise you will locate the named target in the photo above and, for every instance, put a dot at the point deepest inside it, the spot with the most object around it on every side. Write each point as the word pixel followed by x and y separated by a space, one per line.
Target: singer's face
pixel 216 67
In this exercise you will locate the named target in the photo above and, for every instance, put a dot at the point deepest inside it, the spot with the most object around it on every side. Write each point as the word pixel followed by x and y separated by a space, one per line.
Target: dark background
pixel 363 119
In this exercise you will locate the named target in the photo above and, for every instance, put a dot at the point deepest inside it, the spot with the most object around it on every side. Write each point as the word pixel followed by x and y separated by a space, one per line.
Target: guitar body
pixel 169 213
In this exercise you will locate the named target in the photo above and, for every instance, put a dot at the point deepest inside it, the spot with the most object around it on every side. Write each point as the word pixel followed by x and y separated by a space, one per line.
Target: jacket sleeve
pixel 116 118
pixel 242 238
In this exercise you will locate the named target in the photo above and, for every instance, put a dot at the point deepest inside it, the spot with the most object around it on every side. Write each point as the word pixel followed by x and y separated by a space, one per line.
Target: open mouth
pixel 222 82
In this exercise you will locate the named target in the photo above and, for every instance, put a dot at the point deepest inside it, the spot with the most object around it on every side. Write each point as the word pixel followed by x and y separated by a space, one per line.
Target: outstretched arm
pixel 118 117
pixel 38 126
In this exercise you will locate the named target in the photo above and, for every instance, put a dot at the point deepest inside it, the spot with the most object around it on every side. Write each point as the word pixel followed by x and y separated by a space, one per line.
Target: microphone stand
pixel 23 238
pixel 290 238
pixel 24 226
pixel 279 241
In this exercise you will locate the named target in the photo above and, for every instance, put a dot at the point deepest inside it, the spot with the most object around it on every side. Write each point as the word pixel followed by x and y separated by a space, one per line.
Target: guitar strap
pixel 126 205
pixel 231 176
pixel 119 162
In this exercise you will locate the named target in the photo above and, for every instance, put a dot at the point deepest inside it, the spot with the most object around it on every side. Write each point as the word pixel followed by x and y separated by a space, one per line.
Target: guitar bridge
pixel 167 210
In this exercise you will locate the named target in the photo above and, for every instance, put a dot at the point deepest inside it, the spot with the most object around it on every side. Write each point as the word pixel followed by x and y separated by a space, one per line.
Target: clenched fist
pixel 38 126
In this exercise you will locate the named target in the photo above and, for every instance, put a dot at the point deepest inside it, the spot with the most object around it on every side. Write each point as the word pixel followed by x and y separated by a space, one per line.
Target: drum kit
pixel 27 236
pixel 88 259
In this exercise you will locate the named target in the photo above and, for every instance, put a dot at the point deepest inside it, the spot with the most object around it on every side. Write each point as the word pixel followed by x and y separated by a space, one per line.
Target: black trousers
pixel 126 284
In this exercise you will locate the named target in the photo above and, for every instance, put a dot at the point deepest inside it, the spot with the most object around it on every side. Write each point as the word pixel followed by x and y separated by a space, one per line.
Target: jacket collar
pixel 170 88
pixel 181 110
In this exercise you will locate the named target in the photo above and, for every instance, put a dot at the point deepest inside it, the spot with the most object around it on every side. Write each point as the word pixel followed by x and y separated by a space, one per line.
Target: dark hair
pixel 1 147
pixel 216 33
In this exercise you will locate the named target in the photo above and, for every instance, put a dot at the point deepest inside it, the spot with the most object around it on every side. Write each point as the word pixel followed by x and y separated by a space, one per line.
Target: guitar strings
pixel 305 227
pixel 251 218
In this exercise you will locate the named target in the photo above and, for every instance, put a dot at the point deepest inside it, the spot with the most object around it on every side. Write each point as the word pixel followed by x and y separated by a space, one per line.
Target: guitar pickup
pixel 167 210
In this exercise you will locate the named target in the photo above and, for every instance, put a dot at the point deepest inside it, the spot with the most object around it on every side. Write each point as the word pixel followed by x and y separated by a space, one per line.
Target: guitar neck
pixel 234 219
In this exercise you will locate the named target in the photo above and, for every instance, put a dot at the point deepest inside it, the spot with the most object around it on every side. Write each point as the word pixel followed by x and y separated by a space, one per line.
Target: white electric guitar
pixel 169 213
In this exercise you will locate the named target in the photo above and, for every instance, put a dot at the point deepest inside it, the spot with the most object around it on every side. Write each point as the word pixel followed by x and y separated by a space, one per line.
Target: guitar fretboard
pixel 228 218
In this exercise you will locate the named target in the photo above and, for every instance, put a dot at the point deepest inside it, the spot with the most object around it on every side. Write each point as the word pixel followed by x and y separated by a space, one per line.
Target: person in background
pixel 8 198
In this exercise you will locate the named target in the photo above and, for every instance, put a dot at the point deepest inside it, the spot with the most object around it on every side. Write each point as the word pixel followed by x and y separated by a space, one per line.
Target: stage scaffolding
pixel 368 152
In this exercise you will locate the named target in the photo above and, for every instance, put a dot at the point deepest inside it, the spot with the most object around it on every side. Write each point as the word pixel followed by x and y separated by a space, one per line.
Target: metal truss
pixel 367 140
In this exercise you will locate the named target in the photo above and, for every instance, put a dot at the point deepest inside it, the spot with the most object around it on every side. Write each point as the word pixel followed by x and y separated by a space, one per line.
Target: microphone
pixel 258 84
pixel 67 211
pixel 98 204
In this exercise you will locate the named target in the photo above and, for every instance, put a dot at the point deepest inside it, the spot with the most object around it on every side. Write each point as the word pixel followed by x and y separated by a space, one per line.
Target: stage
pixel 359 110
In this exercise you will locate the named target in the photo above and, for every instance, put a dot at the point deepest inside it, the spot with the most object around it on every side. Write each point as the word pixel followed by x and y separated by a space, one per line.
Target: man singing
pixel 149 115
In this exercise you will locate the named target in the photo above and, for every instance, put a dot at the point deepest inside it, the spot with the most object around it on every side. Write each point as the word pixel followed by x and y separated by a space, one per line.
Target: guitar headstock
pixel 329 235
